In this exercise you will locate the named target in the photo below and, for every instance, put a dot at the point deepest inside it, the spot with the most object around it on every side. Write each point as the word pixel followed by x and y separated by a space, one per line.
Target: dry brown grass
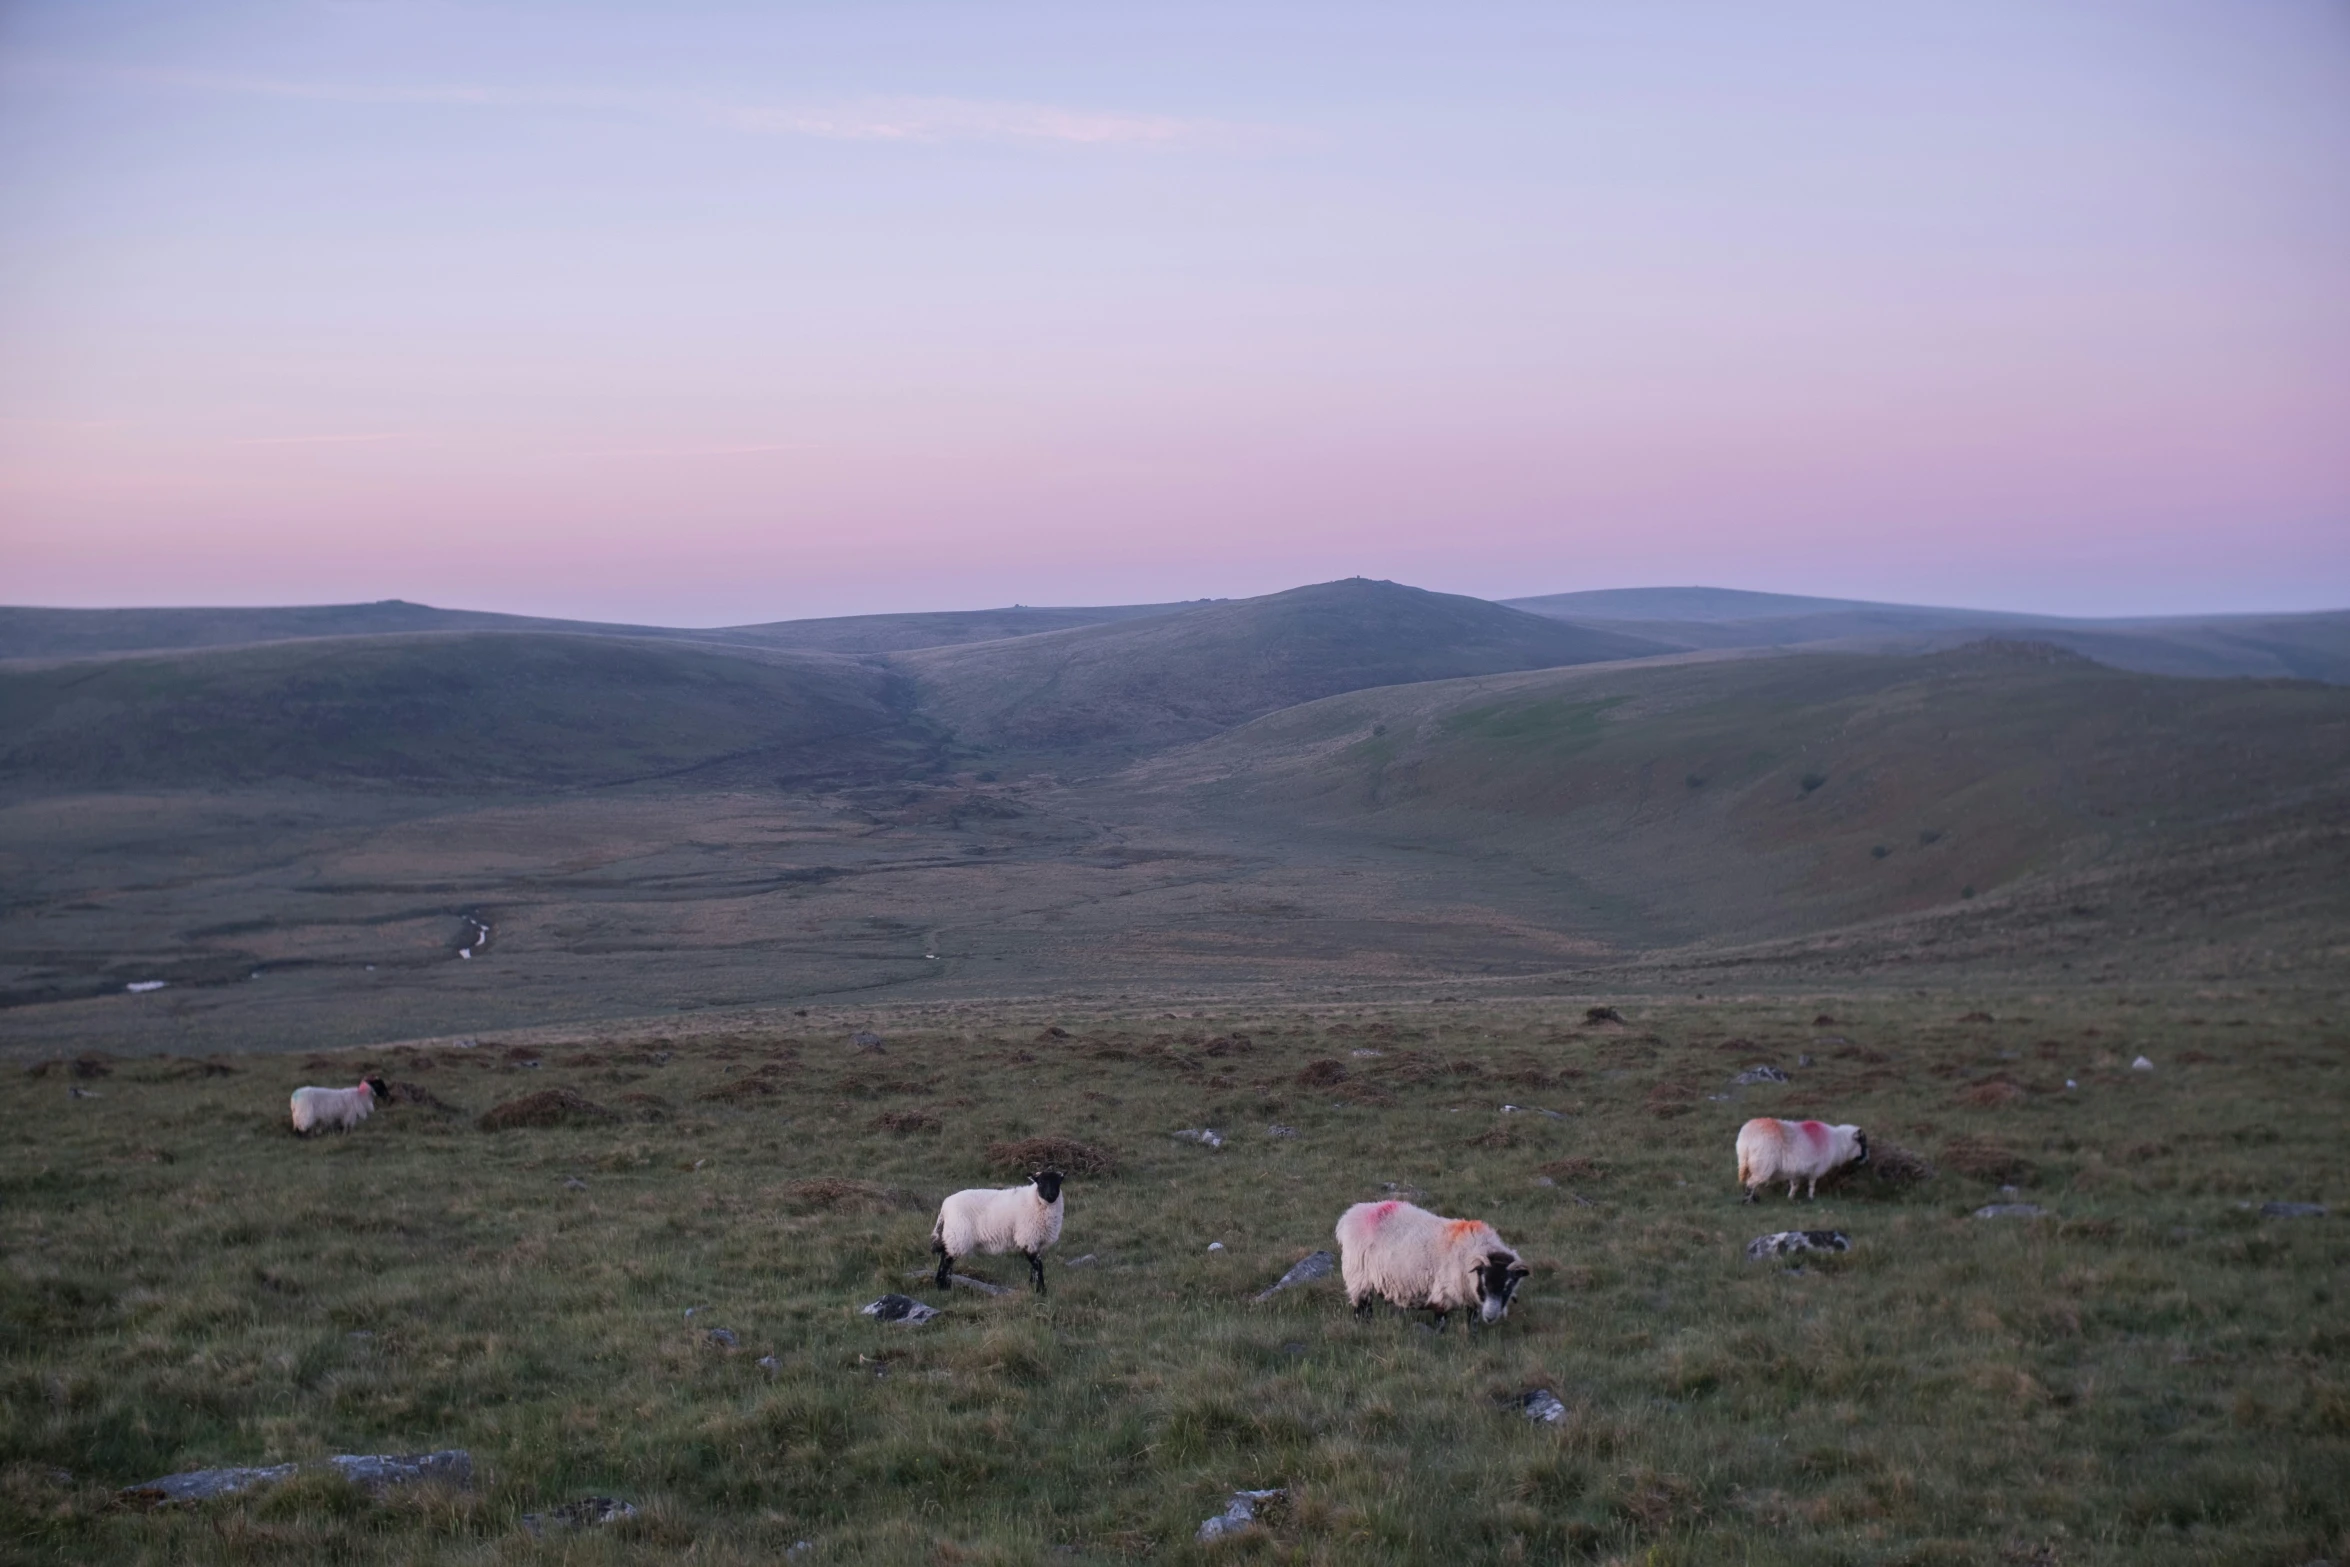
pixel 906 1122
pixel 1065 1154
pixel 1985 1160
pixel 547 1107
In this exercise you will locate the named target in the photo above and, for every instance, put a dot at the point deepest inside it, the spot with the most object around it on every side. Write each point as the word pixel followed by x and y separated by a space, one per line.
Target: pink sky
pixel 581 311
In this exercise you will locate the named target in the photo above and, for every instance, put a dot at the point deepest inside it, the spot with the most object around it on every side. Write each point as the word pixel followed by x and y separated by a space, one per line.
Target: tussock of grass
pixel 1065 1154
pixel 547 1107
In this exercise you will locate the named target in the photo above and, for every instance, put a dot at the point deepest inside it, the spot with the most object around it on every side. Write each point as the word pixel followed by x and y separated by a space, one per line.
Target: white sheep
pixel 1416 1260
pixel 1797 1152
pixel 341 1108
pixel 1024 1218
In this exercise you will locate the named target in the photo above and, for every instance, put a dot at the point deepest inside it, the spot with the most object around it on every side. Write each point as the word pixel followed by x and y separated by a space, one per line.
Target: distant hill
pixel 1105 692
pixel 2303 647
pixel 1762 797
pixel 450 710
pixel 80 633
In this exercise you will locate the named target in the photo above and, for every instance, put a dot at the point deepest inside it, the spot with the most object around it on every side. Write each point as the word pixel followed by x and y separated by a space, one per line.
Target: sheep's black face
pixel 378 1087
pixel 1498 1278
pixel 1862 1140
pixel 1048 1184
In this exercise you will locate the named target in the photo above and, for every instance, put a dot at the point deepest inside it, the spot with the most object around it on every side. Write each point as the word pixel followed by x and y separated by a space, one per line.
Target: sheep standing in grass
pixel 1024 1218
pixel 341 1108
pixel 1416 1260
pixel 1797 1152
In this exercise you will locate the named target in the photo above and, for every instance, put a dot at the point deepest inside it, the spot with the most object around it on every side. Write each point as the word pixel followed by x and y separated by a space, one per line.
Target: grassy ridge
pixel 2152 1374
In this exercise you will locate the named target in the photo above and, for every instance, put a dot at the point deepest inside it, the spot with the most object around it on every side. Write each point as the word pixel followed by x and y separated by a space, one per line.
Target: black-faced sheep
pixel 315 1109
pixel 1416 1260
pixel 1797 1152
pixel 1024 1218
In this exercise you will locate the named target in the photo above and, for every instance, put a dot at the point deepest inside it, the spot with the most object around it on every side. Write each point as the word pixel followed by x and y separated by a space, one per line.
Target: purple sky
pixel 715 313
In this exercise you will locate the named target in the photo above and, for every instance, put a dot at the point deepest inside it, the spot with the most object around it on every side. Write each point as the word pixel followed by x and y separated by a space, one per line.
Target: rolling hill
pixel 1104 692
pixel 1746 798
pixel 449 710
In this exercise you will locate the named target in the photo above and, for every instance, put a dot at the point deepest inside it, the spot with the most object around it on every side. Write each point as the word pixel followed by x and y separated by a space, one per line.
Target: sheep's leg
pixel 1035 1270
pixel 1811 1193
pixel 1791 1185
pixel 1752 1194
pixel 1363 1308
pixel 1438 1322
pixel 944 1263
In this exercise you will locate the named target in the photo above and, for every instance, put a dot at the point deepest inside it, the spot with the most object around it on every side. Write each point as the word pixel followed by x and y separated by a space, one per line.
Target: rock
pixel 2293 1210
pixel 2141 1065
pixel 1239 1515
pixel 722 1338
pixel 866 1039
pixel 1803 1060
pixel 1089 1260
pixel 798 1549
pixel 1403 1193
pixel 375 1471
pixel 899 1308
pixel 1280 1131
pixel 1763 1247
pixel 1206 1137
pixel 2011 1210
pixel 1366 1055
pixel 769 1363
pixel 1313 1265
pixel 1215 1245
pixel 82 1093
pixel 574 1184
pixel 1544 1180
pixel 588 1512
pixel 1759 1074
pixel 1542 1406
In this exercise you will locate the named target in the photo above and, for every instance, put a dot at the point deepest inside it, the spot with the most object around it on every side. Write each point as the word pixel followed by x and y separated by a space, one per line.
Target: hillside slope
pixel 1104 692
pixel 1754 797
pixel 447 710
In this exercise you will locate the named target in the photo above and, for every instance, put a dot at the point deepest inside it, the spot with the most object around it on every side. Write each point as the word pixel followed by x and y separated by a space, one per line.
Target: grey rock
pixel 2293 1210
pixel 769 1363
pixel 2011 1210
pixel 1215 1245
pixel 1280 1131
pixel 574 1184
pixel 1206 1137
pixel 1764 1247
pixel 1089 1260
pixel 1544 1180
pixel 1542 1406
pixel 2141 1065
pixel 722 1338
pixel 1238 1515
pixel 375 1471
pixel 1366 1055
pixel 899 1308
pixel 798 1549
pixel 1313 1265
pixel 866 1039
pixel 1803 1060
pixel 1759 1074
pixel 589 1512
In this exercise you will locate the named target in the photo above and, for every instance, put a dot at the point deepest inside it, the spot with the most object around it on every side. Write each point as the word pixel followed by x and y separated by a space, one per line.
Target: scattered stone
pixel 1280 1131
pixel 1204 1136
pixel 1238 1516
pixel 587 1513
pixel 1089 1260
pixel 722 1338
pixel 2293 1210
pixel 2070 1084
pixel 2011 1210
pixel 82 1093
pixel 1542 1406
pixel 798 1549
pixel 1764 1247
pixel 899 1308
pixel 1366 1055
pixel 866 1039
pixel 1215 1245
pixel 140 987
pixel 1759 1074
pixel 1803 1060
pixel 1544 1180
pixel 1403 1193
pixel 2141 1065
pixel 574 1184
pixel 1314 1265
pixel 375 1471
pixel 768 1363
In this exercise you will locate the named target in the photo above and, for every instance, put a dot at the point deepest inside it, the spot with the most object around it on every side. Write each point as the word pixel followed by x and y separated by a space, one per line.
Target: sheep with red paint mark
pixel 1420 1261
pixel 315 1109
pixel 1801 1153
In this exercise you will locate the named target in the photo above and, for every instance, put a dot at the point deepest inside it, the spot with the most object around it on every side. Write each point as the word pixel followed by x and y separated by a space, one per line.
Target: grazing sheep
pixel 1797 1152
pixel 341 1108
pixel 1024 1218
pixel 1416 1261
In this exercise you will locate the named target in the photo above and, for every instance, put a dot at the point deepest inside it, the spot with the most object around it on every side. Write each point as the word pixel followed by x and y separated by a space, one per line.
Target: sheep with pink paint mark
pixel 315 1109
pixel 1801 1153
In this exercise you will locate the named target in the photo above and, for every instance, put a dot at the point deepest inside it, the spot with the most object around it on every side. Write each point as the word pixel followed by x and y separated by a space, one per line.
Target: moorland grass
pixel 2153 1373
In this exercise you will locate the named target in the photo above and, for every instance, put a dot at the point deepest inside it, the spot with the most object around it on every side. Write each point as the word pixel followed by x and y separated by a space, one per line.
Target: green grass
pixel 2153 1374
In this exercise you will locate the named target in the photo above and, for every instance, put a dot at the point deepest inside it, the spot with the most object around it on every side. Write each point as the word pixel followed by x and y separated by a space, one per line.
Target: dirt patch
pixel 547 1107
pixel 1985 1160
pixel 1573 1168
pixel 1065 1154
pixel 741 1090
pixel 1322 1074
pixel 837 1194
pixel 905 1122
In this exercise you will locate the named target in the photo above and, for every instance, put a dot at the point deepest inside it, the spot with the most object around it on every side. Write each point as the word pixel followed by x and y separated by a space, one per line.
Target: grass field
pixel 2153 1373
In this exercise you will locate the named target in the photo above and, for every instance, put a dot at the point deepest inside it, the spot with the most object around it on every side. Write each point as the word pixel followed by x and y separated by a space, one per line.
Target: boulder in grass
pixel 1237 1515
pixel 899 1308
pixel 1759 1074
pixel 372 1471
pixel 2293 1210
pixel 589 1512
pixel 2011 1210
pixel 1542 1406
pixel 1206 1137
pixel 1314 1265
pixel 1787 1242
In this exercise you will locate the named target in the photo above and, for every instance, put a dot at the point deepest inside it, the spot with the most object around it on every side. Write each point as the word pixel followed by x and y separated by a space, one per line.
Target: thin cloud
pixel 690 451
pixel 324 440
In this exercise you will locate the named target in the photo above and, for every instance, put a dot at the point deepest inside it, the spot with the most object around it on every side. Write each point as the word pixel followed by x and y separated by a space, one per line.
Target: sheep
pixel 1797 1152
pixel 1024 1218
pixel 341 1108
pixel 1416 1260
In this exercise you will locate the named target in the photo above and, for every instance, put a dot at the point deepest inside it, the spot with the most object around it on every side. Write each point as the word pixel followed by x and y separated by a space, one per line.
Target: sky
pixel 706 314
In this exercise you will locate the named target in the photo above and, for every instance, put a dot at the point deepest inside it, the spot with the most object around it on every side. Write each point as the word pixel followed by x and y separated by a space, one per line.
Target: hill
pixel 29 633
pixel 2300 647
pixel 1745 798
pixel 1103 692
pixel 443 710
